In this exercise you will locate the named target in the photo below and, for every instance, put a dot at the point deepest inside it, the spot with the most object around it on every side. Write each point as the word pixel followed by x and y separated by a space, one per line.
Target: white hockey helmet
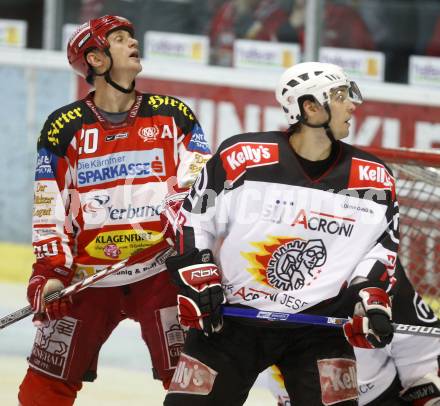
pixel 311 79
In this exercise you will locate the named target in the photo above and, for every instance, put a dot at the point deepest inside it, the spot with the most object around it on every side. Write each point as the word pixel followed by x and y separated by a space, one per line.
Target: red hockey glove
pixel 201 293
pixel 169 215
pixel 371 325
pixel 42 283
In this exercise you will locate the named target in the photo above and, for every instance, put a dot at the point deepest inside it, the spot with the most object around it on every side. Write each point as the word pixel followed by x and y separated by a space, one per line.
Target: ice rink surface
pixel 124 375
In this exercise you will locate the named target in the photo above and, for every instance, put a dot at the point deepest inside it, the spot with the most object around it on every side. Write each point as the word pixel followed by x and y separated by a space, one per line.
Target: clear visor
pixel 346 92
pixel 354 93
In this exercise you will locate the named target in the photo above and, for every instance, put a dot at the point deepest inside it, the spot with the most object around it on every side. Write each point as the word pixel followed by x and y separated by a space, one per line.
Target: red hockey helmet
pixel 93 35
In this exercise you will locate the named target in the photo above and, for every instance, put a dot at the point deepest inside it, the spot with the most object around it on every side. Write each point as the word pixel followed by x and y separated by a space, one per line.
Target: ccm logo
pixel 370 175
pixel 244 155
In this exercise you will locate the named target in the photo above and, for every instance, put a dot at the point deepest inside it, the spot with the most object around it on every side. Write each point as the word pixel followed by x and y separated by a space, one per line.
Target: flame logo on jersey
pixel 286 263
pixel 260 258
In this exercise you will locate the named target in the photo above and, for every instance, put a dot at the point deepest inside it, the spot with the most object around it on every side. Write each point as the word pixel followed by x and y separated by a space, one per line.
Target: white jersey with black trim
pixel 289 242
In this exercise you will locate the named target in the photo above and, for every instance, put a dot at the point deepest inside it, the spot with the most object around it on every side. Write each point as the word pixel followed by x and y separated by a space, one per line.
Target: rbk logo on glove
pixel 201 294
pixel 200 277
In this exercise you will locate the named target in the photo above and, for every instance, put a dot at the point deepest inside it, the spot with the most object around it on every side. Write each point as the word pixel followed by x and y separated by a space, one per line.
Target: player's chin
pixel 138 66
pixel 341 134
pixel 135 64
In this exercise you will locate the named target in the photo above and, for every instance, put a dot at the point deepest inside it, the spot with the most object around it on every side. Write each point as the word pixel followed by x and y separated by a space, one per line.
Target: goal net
pixel 417 176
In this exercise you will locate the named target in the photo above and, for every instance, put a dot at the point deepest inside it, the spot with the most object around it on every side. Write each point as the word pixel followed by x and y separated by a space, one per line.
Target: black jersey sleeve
pixel 379 261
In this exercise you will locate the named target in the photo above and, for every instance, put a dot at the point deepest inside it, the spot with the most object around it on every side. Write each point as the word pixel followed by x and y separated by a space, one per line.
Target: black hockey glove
pixel 371 325
pixel 201 294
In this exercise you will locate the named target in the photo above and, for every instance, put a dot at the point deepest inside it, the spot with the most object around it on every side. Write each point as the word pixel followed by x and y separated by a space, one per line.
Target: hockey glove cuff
pixel 371 325
pixel 201 294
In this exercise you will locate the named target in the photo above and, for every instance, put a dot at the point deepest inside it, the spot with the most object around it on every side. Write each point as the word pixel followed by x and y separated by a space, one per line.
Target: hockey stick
pixel 91 280
pixel 249 313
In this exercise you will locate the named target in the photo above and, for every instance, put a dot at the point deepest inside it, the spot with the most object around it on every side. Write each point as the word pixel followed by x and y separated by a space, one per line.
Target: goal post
pixel 417 176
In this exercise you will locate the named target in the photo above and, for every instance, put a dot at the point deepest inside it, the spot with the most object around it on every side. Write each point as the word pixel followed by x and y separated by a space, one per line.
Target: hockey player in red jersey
pixel 105 164
pixel 307 223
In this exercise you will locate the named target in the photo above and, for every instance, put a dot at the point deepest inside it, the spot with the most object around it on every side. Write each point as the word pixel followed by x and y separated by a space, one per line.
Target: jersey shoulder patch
pixel 245 151
pixel 369 172
pixel 60 127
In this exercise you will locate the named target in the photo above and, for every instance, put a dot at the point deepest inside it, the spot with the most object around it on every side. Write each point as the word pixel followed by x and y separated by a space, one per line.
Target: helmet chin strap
pixel 325 125
pixel 110 81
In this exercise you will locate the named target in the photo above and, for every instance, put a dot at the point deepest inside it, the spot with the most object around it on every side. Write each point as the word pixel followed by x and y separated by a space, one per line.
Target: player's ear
pixel 96 59
pixel 311 106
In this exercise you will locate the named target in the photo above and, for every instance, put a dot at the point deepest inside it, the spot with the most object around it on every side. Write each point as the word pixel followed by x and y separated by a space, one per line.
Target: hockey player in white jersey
pixel 308 223
pixel 406 371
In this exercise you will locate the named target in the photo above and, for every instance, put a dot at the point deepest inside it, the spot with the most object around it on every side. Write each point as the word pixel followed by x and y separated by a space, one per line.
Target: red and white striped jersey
pixel 99 185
